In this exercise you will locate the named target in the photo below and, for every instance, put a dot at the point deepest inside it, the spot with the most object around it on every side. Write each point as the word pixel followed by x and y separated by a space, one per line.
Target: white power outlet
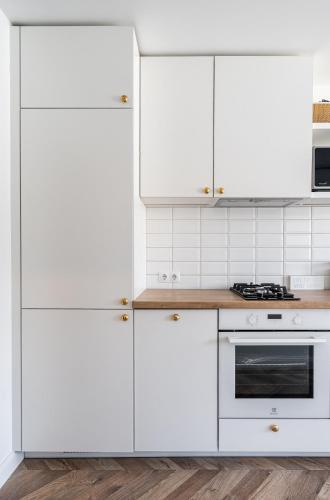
pixel 176 277
pixel 163 278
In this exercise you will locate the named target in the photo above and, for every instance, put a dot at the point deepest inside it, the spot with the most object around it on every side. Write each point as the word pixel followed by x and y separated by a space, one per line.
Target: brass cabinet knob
pixel 124 317
pixel 207 190
pixel 221 190
pixel 124 301
pixel 275 428
pixel 124 98
pixel 176 317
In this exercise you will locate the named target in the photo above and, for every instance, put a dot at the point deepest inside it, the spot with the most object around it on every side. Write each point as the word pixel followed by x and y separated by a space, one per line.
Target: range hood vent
pixel 256 202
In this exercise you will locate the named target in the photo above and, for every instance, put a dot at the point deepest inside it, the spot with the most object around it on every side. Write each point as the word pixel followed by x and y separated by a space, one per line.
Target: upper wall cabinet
pixel 77 67
pixel 176 128
pixel 263 126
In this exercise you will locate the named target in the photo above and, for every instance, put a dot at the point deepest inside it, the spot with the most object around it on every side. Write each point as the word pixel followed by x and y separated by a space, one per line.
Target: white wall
pixel 5 250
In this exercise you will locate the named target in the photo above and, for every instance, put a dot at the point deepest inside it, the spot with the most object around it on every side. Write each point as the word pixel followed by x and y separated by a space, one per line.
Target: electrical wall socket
pixel 169 278
pixel 307 282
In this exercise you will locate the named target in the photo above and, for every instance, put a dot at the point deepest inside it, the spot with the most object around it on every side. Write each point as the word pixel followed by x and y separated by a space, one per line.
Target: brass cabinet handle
pixel 221 190
pixel 207 190
pixel 124 98
pixel 275 428
pixel 124 301
pixel 176 317
pixel 124 317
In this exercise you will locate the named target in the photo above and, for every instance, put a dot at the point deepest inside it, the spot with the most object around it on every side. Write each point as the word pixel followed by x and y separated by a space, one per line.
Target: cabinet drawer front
pixel 292 435
pixel 76 66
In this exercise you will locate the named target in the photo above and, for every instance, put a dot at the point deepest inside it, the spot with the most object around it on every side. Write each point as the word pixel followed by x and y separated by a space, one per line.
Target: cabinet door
pixel 175 381
pixel 76 175
pixel 263 126
pixel 176 126
pixel 77 381
pixel 76 66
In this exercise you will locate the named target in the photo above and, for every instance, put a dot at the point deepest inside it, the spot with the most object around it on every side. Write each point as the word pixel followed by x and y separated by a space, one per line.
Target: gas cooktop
pixel 264 291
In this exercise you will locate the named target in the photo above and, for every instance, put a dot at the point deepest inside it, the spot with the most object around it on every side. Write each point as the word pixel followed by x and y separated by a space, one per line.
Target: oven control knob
pixel 297 320
pixel 252 319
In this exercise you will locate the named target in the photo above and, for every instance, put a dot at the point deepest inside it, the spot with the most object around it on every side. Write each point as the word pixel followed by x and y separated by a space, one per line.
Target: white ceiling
pixel 199 26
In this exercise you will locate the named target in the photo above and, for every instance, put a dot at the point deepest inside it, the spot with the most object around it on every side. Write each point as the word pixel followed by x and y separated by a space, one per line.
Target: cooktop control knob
pixel 252 319
pixel 297 320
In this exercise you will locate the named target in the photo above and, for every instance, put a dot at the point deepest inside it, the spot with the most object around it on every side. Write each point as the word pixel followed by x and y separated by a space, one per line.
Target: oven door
pixel 266 374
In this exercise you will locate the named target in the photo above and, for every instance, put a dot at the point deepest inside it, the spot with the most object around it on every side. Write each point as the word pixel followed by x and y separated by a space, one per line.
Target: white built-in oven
pixel 274 363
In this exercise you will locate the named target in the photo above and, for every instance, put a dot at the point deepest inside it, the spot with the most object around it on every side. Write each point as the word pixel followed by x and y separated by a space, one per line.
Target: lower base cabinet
pixel 274 436
pixel 77 381
pixel 175 380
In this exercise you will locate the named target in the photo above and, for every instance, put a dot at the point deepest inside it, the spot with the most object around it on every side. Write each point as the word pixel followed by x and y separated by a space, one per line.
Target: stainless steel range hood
pixel 256 202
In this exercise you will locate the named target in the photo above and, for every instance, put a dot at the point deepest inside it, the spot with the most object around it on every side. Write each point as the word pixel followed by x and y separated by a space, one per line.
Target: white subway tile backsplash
pixel 297 268
pixel 188 282
pixel 297 254
pixel 186 254
pixel 270 213
pixel 297 226
pixel 269 268
pixel 159 240
pixel 321 268
pixel 159 254
pixel 269 240
pixel 211 282
pixel 320 226
pixel 186 240
pixel 297 213
pixel 321 212
pixel 321 240
pixel 210 254
pixel 214 240
pixel 214 213
pixel 215 247
pixel 159 213
pixel 213 226
pixel 187 268
pixel 321 254
pixel 241 253
pixel 186 226
pixel 241 213
pixel 241 268
pixel 159 226
pixel 270 226
pixel 241 240
pixel 241 226
pixel 297 240
pixel 186 213
pixel 269 254
pixel 214 268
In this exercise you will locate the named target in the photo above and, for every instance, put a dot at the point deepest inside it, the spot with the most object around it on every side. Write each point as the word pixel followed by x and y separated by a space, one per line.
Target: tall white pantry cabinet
pixel 79 235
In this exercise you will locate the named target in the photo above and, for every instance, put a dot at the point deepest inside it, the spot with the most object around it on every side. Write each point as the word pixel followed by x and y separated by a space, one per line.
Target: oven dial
pixel 297 320
pixel 252 319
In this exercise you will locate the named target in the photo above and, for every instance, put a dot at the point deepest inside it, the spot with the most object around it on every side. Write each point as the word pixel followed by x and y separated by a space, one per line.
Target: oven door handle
pixel 285 341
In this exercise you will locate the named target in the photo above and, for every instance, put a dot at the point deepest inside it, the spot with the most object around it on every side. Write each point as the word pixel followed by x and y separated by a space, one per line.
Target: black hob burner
pixel 264 291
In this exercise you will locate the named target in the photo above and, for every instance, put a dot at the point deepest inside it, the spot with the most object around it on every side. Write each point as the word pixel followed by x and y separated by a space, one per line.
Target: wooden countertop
pixel 225 299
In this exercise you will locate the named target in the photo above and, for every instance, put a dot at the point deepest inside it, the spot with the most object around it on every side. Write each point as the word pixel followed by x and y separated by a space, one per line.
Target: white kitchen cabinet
pixel 175 381
pixel 77 66
pixel 77 208
pixel 77 376
pixel 263 126
pixel 176 127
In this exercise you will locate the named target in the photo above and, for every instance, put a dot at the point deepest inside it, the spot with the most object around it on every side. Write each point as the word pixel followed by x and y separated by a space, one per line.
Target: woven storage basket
pixel 321 112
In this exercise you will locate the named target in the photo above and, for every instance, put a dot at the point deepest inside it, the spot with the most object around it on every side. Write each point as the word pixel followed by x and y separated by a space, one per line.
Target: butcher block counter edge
pixel 225 299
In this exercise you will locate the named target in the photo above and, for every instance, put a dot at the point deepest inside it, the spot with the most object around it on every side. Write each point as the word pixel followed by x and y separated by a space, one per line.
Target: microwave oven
pixel 321 168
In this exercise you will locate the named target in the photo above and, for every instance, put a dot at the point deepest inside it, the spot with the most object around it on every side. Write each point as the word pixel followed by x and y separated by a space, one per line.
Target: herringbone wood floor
pixel 170 478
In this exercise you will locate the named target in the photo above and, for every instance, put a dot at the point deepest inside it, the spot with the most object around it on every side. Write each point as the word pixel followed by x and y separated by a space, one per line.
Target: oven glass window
pixel 274 371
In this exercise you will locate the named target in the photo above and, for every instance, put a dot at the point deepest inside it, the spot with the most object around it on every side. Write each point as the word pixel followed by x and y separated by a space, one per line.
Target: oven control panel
pixel 274 319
